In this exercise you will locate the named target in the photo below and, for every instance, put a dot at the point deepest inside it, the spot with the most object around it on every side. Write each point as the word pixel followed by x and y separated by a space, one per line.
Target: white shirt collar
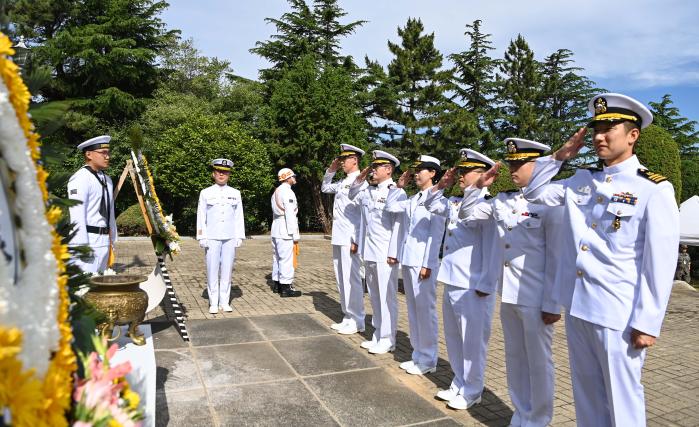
pixel 629 164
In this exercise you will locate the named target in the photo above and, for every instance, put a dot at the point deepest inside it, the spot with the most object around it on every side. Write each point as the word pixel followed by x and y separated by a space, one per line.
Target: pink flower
pixel 82 424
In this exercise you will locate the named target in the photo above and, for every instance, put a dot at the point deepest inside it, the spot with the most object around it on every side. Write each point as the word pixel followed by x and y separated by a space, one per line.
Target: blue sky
pixel 643 48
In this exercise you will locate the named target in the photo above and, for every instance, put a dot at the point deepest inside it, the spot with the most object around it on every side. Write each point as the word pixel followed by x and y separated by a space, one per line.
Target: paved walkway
pixel 275 361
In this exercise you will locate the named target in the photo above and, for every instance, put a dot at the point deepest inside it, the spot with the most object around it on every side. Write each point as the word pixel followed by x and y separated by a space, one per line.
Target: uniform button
pixel 450 233
pixel 507 246
pixel 600 199
pixel 580 273
pixel 514 211
pixel 507 263
pixel 509 227
pixel 446 248
pixel 618 212
pixel 584 247
pixel 594 225
pixel 609 179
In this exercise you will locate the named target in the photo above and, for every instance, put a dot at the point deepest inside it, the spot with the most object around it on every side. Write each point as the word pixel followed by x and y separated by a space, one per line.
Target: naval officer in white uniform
pixel 469 276
pixel 623 227
pixel 346 261
pixel 379 248
pixel 528 246
pixel 285 234
pixel 95 224
pixel 220 231
pixel 418 254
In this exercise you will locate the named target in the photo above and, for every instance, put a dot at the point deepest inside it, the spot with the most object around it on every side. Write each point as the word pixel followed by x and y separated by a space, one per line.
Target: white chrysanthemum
pixel 31 304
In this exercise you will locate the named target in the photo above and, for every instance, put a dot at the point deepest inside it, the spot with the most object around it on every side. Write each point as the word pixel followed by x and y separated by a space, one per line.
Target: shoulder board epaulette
pixel 487 197
pixel 512 190
pixel 655 177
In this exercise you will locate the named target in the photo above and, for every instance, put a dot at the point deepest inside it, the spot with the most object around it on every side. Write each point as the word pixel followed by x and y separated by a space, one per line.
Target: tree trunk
pixel 322 211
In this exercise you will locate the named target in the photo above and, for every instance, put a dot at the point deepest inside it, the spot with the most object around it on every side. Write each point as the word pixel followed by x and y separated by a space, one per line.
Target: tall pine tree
pixel 683 130
pixel 474 86
pixel 409 99
pixel 519 94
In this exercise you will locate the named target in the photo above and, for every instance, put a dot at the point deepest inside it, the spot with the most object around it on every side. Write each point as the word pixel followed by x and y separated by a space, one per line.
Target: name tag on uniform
pixel 625 197
pixel 291 200
pixel 584 189
pixel 381 200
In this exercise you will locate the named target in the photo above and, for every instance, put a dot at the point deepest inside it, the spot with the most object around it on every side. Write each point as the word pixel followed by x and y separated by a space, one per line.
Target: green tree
pixel 101 52
pixel 410 97
pixel 519 93
pixel 312 111
pixel 683 130
pixel 690 179
pixel 657 151
pixel 474 79
pixel 564 97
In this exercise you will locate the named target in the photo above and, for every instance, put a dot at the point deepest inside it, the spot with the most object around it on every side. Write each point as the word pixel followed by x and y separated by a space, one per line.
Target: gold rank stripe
pixel 471 165
pixel 615 116
pixel 652 176
pixel 520 156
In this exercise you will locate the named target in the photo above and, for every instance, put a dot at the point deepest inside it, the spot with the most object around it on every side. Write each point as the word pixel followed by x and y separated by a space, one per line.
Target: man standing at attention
pixel 623 226
pixel 285 234
pixel 346 260
pixel 220 230
pixel 95 225
pixel 380 248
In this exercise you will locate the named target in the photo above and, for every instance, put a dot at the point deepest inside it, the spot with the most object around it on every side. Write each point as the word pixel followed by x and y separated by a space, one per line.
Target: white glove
pixel 203 243
pixel 238 242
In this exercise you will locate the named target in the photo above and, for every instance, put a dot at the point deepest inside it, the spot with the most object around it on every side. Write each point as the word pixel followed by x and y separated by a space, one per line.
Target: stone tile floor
pixel 275 361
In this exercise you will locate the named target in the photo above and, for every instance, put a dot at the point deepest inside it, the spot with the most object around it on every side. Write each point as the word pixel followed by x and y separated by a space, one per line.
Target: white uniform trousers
pixel 220 255
pixel 382 282
pixel 349 284
pixel 98 263
pixel 530 371
pixel 467 323
pixel 283 260
pixel 421 299
pixel 606 372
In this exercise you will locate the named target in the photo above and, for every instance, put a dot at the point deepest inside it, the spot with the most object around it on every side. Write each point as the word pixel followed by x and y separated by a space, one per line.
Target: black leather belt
pixel 97 230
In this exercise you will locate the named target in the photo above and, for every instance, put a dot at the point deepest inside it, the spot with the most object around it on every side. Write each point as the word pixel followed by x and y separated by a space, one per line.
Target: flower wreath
pixel 36 359
pixel 164 226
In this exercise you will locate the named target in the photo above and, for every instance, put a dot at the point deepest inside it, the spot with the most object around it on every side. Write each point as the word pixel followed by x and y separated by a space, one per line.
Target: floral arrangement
pixel 167 239
pixel 36 359
pixel 103 398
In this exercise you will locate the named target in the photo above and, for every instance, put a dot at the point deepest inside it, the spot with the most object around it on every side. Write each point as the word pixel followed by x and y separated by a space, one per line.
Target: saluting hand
pixel 363 174
pixel 404 179
pixel 447 179
pixel 489 177
pixel 571 148
pixel 335 165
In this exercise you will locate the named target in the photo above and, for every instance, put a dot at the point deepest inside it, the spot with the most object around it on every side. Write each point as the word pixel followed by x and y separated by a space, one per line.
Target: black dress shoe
pixel 287 292
pixel 276 287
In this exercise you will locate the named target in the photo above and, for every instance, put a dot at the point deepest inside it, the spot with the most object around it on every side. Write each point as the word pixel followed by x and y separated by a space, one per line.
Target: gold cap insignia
pixel 600 105
pixel 511 147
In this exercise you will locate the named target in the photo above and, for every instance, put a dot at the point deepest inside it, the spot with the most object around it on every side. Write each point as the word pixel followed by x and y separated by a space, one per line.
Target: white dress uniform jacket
pixel 346 212
pixel 220 214
pixel 618 264
pixel 83 186
pixel 615 276
pixel 284 208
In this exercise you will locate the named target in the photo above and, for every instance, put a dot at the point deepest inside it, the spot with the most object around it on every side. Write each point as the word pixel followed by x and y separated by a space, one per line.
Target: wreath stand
pixel 171 305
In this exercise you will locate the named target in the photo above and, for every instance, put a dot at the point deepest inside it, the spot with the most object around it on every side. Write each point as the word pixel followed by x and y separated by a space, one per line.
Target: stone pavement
pixel 283 350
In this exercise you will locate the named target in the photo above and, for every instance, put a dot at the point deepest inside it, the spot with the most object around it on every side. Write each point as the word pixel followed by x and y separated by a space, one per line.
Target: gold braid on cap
pixel 471 164
pixel 521 156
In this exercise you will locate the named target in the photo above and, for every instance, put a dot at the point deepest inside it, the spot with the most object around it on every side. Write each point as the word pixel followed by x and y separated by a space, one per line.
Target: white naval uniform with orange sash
pixel 418 248
pixel 528 235
pixel 622 229
pixel 380 241
pixel 221 222
pixel 346 218
pixel 467 266
pixel 95 224
pixel 285 231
